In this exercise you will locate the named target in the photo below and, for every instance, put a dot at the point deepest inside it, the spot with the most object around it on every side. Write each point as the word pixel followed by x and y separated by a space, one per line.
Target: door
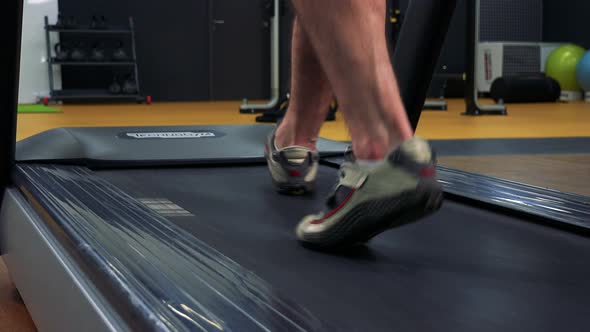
pixel 240 50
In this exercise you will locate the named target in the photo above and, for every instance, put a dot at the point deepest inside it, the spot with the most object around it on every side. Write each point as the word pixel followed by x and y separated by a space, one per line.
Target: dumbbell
pixel 130 85
pixel 119 54
pixel 78 53
pixel 98 22
pixel 61 52
pixel 98 52
pixel 61 21
pixel 115 87
pixel 66 22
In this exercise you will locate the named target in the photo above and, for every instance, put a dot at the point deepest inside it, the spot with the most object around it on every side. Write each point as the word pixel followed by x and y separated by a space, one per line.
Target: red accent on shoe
pixel 320 221
pixel 427 172
pixel 295 173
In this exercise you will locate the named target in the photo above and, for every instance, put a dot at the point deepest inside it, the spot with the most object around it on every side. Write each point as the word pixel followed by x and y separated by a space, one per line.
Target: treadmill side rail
pixel 561 209
pixel 58 296
pixel 558 209
pixel 154 275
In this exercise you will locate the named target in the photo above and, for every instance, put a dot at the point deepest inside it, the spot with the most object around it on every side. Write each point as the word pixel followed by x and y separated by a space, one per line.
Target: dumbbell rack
pixel 91 94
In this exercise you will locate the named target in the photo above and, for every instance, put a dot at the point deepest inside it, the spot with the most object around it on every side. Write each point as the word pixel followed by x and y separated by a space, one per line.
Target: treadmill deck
pixel 463 269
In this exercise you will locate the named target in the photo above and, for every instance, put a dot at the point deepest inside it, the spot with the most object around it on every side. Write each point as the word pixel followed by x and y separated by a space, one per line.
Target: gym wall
pixel 34 78
pixel 170 36
pixel 174 55
pixel 511 21
pixel 174 47
pixel 566 21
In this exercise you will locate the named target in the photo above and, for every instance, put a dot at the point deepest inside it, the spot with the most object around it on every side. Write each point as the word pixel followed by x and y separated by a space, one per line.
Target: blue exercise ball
pixel 583 72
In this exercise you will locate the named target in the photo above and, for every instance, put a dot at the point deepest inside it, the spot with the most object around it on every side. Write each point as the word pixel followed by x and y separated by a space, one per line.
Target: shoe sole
pixel 295 188
pixel 371 218
pixel 298 189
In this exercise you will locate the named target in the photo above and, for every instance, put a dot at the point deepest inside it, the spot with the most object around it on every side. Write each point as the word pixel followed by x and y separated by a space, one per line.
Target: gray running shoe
pixel 293 169
pixel 400 190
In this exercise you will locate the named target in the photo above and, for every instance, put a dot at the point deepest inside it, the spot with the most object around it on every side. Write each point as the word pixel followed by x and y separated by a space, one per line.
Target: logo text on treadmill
pixel 171 135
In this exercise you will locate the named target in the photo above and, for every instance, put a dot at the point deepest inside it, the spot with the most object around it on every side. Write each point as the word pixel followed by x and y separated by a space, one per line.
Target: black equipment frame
pixel 417 51
pixel 10 64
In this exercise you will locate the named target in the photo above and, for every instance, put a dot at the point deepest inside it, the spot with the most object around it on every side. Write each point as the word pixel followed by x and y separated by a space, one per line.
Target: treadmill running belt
pixel 463 269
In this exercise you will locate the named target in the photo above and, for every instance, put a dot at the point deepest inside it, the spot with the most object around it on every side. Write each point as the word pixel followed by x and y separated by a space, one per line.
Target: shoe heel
pixel 429 201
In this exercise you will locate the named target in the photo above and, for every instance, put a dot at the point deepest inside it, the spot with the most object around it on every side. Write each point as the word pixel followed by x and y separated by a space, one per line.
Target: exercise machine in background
pixel 395 22
pixel 276 113
pixel 276 107
pixel 469 78
pixel 444 77
pixel 473 107
pixel 246 107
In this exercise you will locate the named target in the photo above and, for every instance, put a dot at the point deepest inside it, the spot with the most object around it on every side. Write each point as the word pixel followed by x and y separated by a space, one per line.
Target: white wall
pixel 34 81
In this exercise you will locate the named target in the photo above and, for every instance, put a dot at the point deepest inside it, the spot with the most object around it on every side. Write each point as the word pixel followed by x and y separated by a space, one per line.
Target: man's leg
pixel 393 180
pixel 291 152
pixel 311 95
pixel 349 39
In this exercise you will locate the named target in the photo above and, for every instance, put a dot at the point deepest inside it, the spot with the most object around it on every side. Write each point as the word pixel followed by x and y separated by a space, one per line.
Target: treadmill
pixel 180 229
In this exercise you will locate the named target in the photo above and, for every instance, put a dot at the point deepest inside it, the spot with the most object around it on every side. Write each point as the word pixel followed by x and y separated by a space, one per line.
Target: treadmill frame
pixel 9 64
pixel 31 251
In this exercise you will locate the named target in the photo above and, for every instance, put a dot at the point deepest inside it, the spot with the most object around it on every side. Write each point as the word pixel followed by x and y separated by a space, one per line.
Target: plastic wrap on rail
pixel 172 280
pixel 562 207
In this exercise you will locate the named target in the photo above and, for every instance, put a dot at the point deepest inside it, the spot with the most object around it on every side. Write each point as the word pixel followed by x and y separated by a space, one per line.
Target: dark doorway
pixel 240 50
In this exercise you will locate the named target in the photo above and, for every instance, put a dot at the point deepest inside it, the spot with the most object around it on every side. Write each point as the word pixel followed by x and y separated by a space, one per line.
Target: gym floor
pixel 524 120
pixel 511 149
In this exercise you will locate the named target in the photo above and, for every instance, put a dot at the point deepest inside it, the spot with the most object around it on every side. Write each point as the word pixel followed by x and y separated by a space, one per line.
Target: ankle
pixel 368 164
pixel 285 137
pixel 305 144
pixel 370 151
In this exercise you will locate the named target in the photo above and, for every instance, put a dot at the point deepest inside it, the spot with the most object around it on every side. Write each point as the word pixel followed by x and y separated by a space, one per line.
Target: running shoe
pixel 293 169
pixel 367 201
